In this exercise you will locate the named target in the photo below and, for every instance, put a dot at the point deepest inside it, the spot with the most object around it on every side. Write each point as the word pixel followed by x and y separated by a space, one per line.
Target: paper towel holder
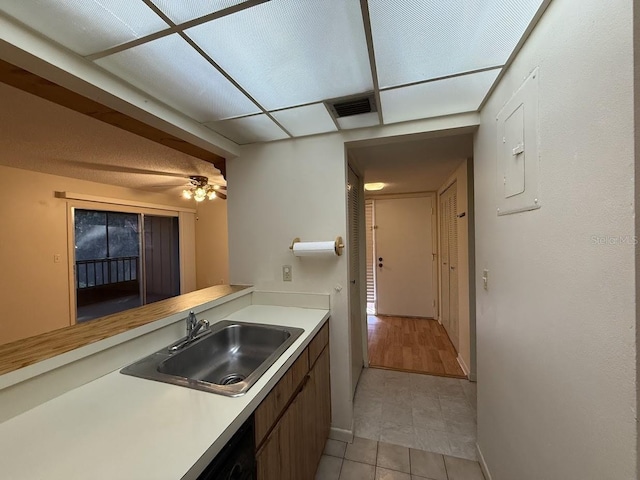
pixel 339 244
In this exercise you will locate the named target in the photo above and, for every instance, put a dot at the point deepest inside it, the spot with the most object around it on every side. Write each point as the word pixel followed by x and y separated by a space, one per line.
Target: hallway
pixel 424 412
pixel 418 345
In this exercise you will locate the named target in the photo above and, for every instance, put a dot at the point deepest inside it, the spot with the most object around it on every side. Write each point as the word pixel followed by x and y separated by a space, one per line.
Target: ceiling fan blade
pixel 120 169
pixel 221 195
pixel 168 187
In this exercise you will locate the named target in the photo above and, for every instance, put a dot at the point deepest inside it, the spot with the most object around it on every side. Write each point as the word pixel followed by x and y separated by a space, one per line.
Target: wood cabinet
pixel 294 429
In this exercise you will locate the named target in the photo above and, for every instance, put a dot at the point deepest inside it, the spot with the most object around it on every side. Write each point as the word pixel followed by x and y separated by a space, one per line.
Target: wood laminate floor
pixel 416 345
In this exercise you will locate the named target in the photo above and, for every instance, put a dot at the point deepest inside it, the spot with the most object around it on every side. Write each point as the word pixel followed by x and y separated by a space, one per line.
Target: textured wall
pixel 556 329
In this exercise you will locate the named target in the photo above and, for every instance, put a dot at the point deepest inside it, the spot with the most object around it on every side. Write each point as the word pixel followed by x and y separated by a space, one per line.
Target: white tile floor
pixel 366 459
pixel 424 412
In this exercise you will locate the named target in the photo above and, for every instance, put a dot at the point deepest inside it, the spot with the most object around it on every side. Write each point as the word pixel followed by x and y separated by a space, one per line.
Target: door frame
pixel 434 239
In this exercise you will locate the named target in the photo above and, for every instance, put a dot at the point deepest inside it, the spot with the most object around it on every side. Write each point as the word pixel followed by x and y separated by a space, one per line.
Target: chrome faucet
pixel 192 323
pixel 193 329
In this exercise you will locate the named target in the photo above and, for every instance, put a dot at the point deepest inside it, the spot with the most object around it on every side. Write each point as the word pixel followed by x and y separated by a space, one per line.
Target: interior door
pixel 404 261
pixel 453 266
pixel 356 225
pixel 444 259
pixel 449 261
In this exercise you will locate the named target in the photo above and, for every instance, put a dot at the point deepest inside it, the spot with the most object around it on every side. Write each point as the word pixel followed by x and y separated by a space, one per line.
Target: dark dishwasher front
pixel 236 460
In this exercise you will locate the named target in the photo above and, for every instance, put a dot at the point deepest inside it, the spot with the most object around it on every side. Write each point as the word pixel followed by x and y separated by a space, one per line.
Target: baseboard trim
pixel 341 434
pixel 463 365
pixel 483 464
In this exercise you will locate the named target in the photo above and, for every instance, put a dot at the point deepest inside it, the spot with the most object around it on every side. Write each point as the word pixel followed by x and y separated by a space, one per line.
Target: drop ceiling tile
pixel 86 27
pixel 174 73
pixel 417 41
pixel 289 53
pixel 307 120
pixel 359 121
pixel 185 10
pixel 257 128
pixel 434 99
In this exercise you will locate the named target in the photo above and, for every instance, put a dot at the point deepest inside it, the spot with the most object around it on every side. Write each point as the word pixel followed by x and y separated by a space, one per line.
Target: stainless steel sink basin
pixel 228 360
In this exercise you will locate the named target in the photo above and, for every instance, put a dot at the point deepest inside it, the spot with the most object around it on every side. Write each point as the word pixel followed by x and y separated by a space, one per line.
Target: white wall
pixel 212 243
pixel 636 96
pixel 556 328
pixel 293 189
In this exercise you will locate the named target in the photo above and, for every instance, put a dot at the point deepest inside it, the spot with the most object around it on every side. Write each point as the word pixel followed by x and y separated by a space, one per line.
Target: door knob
pixel 453 268
pixel 380 265
pixel 353 282
pixel 379 259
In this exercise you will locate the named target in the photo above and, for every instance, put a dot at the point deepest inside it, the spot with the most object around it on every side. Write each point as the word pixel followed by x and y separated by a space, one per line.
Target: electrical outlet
pixel 286 273
pixel 56 258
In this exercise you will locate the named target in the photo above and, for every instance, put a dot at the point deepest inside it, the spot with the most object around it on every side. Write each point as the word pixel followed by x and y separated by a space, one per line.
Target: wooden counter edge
pixel 28 351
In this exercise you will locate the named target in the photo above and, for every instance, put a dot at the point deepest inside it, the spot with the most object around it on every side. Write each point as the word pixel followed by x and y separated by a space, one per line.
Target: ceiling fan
pixel 199 189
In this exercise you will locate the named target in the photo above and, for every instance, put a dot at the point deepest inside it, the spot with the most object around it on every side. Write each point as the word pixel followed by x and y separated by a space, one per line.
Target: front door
pixel 404 260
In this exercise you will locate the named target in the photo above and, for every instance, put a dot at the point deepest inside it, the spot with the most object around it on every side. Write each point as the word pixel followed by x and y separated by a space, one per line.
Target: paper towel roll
pixel 314 249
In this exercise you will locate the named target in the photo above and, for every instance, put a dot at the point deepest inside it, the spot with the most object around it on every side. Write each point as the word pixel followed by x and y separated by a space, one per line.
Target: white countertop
pixel 120 427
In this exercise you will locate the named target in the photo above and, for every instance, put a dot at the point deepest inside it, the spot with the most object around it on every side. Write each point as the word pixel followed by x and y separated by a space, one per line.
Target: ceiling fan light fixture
pixel 374 187
pixel 200 189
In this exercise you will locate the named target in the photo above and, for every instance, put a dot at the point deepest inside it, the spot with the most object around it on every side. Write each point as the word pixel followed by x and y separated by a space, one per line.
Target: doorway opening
pixel 418 274
pixel 403 331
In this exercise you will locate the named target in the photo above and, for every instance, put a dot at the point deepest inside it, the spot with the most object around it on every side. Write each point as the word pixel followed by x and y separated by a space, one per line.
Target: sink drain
pixel 231 379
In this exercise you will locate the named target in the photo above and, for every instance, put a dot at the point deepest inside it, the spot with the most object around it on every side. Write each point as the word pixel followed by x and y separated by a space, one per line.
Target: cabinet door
pixel 322 400
pixel 275 458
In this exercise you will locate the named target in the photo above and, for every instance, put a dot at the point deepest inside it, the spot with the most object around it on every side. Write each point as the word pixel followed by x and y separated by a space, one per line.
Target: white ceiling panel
pixel 257 128
pixel 85 26
pixel 416 41
pixel 434 99
pixel 359 121
pixel 291 52
pixel 307 120
pixel 185 10
pixel 174 73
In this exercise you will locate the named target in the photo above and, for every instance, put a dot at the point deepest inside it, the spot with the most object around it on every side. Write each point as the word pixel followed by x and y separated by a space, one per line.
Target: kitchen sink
pixel 227 360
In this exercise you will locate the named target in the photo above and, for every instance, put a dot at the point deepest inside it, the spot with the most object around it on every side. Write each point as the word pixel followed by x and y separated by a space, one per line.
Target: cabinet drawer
pixel 318 343
pixel 274 404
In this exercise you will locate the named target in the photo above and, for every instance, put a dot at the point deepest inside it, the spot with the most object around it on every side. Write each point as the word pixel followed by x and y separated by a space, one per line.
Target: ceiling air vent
pixel 353 106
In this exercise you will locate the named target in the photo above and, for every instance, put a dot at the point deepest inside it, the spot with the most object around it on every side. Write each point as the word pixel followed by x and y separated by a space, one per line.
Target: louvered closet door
pixel 444 259
pixel 354 199
pixel 371 285
pixel 449 261
pixel 453 267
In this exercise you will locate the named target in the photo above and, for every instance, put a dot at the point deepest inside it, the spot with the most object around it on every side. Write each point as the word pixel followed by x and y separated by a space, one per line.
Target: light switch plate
pixel 517 150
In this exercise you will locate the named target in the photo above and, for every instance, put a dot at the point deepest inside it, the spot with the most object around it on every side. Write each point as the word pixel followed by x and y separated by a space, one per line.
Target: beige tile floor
pixel 423 412
pixel 366 459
